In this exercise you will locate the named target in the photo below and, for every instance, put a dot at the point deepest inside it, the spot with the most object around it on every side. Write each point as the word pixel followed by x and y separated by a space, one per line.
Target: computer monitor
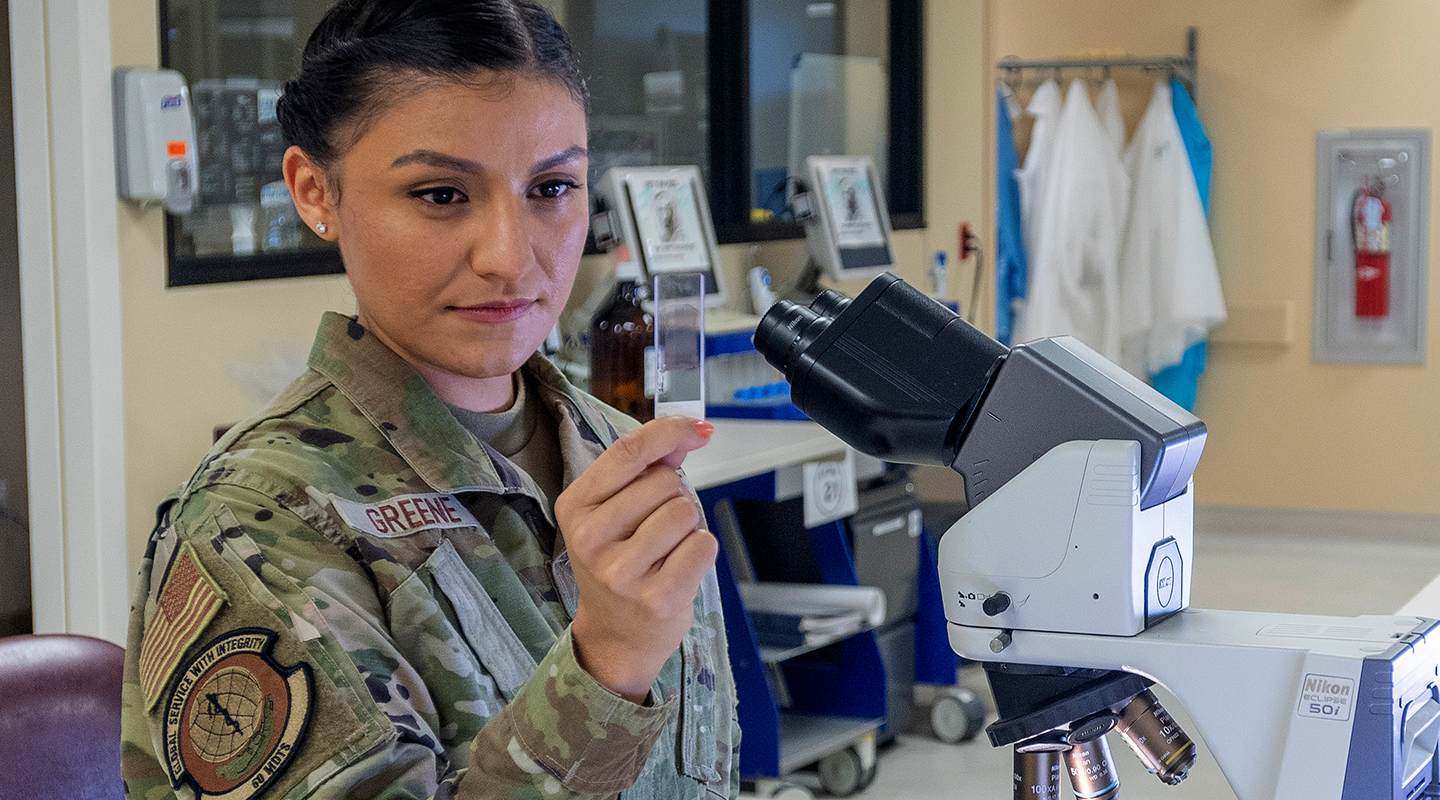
pixel 661 214
pixel 847 224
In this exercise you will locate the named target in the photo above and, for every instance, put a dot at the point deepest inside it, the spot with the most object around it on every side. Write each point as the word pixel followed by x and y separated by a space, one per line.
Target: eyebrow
pixel 434 159
pixel 443 161
pixel 573 153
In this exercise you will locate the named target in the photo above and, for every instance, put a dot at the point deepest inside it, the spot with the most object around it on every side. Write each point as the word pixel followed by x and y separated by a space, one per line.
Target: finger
pixel 617 517
pixel 655 538
pixel 687 564
pixel 661 441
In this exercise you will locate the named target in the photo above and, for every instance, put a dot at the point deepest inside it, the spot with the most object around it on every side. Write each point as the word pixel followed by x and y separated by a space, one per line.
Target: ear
pixel 314 195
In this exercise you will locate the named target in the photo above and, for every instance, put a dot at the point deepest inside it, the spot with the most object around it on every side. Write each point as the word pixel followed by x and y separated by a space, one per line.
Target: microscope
pixel 1069 577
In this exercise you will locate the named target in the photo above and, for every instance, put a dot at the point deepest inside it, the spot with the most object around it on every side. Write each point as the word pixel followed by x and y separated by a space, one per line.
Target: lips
pixel 493 313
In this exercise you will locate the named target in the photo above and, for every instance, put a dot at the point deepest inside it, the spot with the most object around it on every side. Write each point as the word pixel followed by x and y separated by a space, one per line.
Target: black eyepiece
pixel 892 372
pixel 830 304
pixel 785 331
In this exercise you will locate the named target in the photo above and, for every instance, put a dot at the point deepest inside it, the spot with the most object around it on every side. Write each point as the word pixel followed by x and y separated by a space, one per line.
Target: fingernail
pixel 704 428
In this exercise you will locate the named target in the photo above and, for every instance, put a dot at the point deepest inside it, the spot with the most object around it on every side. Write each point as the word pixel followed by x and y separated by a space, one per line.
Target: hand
pixel 629 524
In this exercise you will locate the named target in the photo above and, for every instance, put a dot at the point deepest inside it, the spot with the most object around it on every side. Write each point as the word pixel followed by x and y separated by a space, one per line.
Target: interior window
pixel 743 90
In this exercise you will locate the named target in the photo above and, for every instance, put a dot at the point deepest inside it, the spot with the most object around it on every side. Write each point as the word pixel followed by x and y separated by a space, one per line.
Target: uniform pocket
pixel 446 625
pixel 485 629
pixel 705 713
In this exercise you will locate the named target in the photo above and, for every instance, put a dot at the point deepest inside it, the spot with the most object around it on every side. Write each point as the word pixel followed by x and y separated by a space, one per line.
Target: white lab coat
pixel 1079 221
pixel 1032 176
pixel 1170 295
pixel 1108 107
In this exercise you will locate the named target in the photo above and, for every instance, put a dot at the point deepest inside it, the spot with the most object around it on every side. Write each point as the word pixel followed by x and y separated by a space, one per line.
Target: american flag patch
pixel 186 605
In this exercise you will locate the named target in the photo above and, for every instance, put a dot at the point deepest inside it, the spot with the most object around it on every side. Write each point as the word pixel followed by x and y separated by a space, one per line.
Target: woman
pixel 433 568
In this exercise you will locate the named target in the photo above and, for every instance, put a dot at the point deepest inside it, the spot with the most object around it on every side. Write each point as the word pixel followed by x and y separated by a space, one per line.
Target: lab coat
pixel 1078 222
pixel 1108 107
pixel 1034 175
pixel 1010 263
pixel 1170 294
pixel 1197 144
pixel 1181 382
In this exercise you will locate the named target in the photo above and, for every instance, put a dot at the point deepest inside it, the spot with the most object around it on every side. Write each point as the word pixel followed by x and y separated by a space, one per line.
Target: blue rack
pixel 836 691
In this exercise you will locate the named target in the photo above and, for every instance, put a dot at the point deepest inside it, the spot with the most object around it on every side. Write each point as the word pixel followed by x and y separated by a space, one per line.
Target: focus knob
pixel 996 604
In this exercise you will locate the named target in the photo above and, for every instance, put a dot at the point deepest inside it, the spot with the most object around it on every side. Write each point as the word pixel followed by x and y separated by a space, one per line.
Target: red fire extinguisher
pixel 1370 228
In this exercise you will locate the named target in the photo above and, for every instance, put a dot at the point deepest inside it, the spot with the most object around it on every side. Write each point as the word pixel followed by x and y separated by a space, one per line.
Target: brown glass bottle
pixel 620 334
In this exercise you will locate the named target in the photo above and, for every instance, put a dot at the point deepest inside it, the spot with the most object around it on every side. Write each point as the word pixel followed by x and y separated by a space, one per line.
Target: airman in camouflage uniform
pixel 353 597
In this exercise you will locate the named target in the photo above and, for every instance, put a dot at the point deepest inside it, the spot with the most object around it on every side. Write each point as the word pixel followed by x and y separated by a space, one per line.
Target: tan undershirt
pixel 525 434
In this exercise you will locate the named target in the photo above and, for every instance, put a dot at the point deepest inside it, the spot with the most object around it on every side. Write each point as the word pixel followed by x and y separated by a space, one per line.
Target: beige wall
pixel 1283 431
pixel 178 342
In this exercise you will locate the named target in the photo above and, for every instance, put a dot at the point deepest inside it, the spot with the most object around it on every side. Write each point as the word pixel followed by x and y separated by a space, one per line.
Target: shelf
pixel 775 655
pixel 807 738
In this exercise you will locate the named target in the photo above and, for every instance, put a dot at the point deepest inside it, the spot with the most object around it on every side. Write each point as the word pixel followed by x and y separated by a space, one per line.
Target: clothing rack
pixel 1183 67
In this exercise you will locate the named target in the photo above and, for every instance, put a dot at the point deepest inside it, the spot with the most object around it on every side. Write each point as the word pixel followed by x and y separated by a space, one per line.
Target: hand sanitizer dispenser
pixel 155 139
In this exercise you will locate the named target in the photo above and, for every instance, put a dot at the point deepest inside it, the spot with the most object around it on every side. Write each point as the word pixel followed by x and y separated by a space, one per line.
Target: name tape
pixel 405 514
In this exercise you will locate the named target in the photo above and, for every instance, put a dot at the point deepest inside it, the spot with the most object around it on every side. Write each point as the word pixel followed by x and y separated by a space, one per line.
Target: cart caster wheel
pixel 789 791
pixel 773 789
pixel 957 716
pixel 841 773
pixel 868 777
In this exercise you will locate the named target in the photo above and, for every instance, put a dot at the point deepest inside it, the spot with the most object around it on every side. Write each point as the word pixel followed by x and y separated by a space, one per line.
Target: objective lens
pixel 1156 739
pixel 1037 775
pixel 1092 728
pixel 1092 773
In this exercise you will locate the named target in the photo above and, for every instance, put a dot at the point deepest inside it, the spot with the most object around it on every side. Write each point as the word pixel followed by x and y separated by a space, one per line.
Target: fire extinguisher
pixel 1370 229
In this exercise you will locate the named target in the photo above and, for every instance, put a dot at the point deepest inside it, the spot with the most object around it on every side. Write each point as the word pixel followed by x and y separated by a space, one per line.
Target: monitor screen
pixel 666 222
pixel 850 231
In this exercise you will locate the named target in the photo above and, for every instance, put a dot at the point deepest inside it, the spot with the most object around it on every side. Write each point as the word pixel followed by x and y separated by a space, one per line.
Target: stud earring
pixel 321 228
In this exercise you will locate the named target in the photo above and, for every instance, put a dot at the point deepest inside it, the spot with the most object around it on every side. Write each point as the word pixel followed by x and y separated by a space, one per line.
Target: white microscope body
pixel 1293 707
pixel 1070 576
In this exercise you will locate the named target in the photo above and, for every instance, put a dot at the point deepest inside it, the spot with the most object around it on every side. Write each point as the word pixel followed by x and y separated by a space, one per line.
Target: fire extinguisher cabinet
pixel 1372 212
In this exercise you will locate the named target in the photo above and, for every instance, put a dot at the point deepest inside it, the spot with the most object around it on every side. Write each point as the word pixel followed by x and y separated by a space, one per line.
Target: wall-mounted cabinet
pixel 1372 245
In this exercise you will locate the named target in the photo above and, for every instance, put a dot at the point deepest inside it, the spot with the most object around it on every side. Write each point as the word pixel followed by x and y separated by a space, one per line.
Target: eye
pixel 553 190
pixel 440 196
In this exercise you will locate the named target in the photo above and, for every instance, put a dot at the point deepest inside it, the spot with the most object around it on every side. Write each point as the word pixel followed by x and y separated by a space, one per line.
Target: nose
pixel 501 241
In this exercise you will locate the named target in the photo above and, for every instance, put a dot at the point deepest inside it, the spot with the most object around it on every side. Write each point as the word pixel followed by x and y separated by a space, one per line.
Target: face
pixel 461 214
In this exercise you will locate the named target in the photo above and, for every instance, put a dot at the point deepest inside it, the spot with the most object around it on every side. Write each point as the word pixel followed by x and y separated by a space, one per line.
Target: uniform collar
pixel 398 401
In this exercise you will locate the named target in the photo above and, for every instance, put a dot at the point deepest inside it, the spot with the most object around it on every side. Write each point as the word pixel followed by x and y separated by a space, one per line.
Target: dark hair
pixel 365 53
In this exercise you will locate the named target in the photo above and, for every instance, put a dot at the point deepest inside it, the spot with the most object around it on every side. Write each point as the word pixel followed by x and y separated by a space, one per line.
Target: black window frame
pixel 730 133
pixel 729 148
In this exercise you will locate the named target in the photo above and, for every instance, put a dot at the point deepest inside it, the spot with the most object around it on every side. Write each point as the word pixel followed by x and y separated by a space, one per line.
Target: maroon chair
pixel 60 718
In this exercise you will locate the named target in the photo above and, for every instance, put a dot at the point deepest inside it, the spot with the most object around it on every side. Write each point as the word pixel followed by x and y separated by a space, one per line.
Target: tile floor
pixel 1256 572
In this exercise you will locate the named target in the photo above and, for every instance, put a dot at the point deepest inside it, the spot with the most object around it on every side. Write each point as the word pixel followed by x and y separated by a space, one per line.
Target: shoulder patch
pixel 237 717
pixel 186 604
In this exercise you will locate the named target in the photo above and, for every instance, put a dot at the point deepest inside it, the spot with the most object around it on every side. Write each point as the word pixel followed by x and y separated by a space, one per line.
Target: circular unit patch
pixel 236 718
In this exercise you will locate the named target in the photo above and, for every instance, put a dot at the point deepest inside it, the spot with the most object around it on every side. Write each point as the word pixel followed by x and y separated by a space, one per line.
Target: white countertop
pixel 1426 603
pixel 743 448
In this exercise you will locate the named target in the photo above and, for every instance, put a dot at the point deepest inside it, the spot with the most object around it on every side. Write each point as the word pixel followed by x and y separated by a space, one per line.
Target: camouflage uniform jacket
pixel 324 611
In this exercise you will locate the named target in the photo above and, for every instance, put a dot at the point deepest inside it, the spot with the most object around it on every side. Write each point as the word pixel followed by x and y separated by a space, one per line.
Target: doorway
pixel 16 613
